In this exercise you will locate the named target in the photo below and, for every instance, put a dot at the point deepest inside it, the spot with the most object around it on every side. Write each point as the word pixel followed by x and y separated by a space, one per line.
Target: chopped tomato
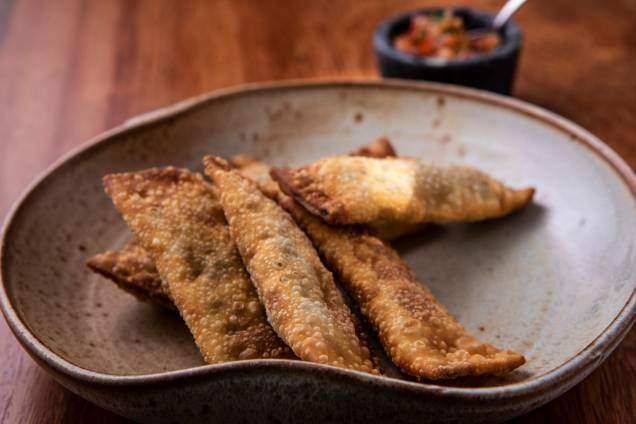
pixel 485 43
pixel 426 46
pixel 444 36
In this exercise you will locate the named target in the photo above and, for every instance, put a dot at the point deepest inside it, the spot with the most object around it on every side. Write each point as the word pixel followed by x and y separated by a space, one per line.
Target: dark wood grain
pixel 70 69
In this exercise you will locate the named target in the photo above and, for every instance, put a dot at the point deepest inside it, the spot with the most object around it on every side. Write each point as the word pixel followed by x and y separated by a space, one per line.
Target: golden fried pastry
pixel 258 172
pixel 359 190
pixel 133 271
pixel 380 148
pixel 417 332
pixel 177 219
pixel 302 301
pixel 384 265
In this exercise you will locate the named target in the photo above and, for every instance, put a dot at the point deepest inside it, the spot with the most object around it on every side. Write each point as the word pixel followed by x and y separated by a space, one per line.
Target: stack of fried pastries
pixel 248 260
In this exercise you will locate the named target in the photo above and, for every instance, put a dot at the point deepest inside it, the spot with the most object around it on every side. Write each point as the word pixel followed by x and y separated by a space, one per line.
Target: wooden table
pixel 70 69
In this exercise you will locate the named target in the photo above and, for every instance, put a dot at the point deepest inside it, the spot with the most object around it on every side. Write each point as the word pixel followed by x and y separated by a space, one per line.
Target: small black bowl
pixel 492 71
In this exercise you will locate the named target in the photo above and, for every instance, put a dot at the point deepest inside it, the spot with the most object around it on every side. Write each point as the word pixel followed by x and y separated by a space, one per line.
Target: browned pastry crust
pixel 258 172
pixel 371 268
pixel 301 185
pixel 359 190
pixel 380 148
pixel 302 301
pixel 417 332
pixel 177 219
pixel 134 272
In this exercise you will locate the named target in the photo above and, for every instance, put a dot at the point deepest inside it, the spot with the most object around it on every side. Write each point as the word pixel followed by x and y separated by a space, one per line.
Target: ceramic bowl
pixel 492 71
pixel 554 282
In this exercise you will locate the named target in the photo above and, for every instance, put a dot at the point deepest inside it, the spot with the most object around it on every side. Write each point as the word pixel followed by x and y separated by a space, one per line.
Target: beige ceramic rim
pixel 573 370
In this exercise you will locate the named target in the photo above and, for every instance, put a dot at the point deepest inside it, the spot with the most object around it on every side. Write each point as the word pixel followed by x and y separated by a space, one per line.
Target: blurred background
pixel 70 69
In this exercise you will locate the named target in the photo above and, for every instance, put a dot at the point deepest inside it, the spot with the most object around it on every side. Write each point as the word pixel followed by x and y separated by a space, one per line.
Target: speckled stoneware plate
pixel 554 282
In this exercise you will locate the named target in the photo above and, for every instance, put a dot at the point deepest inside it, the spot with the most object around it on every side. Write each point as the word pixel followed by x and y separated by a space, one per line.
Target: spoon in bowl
pixel 504 15
pixel 506 12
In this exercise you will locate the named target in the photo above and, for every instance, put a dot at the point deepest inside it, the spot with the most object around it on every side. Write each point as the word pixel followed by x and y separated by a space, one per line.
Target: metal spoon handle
pixel 506 13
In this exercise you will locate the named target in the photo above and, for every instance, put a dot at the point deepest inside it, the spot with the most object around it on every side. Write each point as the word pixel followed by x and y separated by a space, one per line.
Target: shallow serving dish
pixel 553 282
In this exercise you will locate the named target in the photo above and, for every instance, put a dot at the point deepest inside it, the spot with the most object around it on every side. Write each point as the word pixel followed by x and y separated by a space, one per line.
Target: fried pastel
pixel 360 190
pixel 380 148
pixel 134 272
pixel 258 172
pixel 302 301
pixel 177 219
pixel 417 332
pixel 390 267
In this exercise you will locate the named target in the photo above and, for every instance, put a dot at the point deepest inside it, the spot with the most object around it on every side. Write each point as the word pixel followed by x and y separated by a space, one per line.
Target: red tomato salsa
pixel 444 36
